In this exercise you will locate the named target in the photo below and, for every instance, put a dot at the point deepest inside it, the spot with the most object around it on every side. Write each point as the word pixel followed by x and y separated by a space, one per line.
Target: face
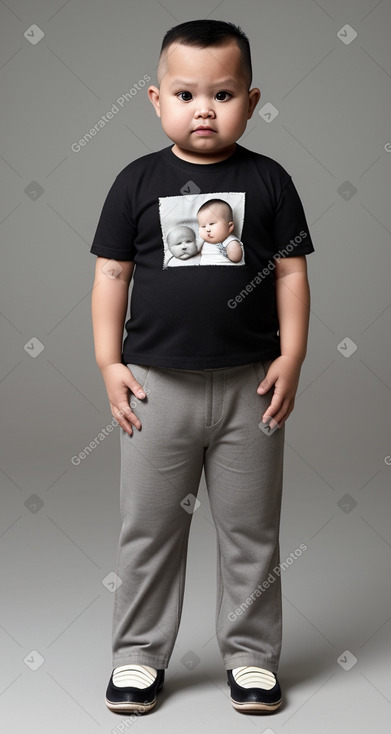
pixel 203 100
pixel 214 225
pixel 181 243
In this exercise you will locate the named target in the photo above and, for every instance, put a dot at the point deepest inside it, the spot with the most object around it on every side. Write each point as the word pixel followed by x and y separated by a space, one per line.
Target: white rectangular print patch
pixel 202 229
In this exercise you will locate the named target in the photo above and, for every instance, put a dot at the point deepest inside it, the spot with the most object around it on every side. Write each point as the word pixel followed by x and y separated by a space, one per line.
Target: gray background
pixel 60 522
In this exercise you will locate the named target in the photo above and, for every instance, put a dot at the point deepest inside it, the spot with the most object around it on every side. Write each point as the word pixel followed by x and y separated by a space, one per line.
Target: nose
pixel 204 112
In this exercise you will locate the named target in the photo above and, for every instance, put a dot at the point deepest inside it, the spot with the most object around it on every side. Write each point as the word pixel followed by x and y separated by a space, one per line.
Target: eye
pixel 189 96
pixel 223 96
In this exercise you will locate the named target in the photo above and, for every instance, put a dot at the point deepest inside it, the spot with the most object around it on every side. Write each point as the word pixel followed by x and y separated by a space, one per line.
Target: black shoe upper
pixel 255 694
pixel 131 694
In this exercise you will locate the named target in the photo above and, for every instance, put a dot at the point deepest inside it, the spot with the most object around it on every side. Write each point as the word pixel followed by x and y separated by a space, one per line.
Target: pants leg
pixel 191 418
pixel 244 471
pixel 160 466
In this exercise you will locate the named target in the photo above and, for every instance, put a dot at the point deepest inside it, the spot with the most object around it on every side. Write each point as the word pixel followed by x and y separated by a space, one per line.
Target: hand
pixel 118 380
pixel 284 373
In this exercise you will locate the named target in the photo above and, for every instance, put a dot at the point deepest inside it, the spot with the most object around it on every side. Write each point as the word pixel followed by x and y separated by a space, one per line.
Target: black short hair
pixel 207 32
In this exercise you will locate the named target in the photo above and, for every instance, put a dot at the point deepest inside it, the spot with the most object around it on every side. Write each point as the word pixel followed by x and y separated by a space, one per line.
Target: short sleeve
pixel 291 233
pixel 116 229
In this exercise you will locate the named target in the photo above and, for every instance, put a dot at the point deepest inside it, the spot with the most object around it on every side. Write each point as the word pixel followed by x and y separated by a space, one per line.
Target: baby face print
pixel 181 242
pixel 214 224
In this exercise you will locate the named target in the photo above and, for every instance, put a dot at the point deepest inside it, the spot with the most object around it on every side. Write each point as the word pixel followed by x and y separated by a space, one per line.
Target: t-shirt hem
pixel 304 250
pixel 198 364
pixel 102 251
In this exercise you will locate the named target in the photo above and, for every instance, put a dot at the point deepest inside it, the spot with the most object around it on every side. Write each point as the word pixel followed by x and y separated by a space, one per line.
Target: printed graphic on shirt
pixel 202 229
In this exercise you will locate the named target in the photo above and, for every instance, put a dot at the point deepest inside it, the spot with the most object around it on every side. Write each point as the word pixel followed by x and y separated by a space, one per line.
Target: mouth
pixel 203 130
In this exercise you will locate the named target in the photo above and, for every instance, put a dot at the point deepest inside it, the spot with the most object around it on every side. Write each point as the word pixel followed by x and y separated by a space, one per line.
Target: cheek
pixel 170 114
pixel 236 116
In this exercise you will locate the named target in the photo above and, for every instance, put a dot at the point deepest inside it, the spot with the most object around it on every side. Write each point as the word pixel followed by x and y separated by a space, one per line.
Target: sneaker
pixel 129 699
pixel 253 700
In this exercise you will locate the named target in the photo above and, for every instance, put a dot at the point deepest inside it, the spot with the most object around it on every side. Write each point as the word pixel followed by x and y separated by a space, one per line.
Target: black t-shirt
pixel 203 292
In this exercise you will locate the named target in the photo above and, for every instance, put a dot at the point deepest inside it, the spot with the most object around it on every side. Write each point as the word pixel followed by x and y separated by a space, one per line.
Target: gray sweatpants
pixel 193 419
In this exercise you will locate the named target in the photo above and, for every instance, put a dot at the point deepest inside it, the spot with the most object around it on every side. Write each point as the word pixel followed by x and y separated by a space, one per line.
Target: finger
pixel 136 388
pixel 122 422
pixel 130 416
pixel 125 425
pixel 283 414
pixel 126 417
pixel 266 383
pixel 273 408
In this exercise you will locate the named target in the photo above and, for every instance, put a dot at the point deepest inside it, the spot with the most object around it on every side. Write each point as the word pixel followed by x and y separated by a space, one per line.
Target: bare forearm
pixel 293 307
pixel 108 307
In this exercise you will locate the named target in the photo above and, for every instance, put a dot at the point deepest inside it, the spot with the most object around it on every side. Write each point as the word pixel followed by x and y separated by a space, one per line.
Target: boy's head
pixel 203 98
pixel 215 219
pixel 204 33
pixel 181 241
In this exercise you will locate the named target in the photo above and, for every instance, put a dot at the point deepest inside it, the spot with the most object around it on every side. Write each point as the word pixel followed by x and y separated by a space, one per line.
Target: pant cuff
pixel 141 659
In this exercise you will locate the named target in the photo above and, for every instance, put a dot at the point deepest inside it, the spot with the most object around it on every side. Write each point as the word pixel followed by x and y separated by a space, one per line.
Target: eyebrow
pixel 230 81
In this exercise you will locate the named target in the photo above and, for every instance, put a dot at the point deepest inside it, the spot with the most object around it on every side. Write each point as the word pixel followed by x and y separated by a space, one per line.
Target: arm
pixel 109 303
pixel 293 307
pixel 234 251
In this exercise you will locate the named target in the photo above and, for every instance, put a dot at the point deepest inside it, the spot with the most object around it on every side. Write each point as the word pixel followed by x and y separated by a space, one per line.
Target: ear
pixel 231 227
pixel 254 96
pixel 154 96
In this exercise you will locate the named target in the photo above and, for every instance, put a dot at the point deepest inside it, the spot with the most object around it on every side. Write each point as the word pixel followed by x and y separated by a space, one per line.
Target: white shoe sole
pixel 255 707
pixel 129 707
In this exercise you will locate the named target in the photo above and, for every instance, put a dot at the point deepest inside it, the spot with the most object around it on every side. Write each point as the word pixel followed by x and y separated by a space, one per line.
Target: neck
pixel 214 157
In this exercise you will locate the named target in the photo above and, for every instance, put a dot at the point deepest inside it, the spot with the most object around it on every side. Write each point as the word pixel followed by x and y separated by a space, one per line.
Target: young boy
pixel 211 364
